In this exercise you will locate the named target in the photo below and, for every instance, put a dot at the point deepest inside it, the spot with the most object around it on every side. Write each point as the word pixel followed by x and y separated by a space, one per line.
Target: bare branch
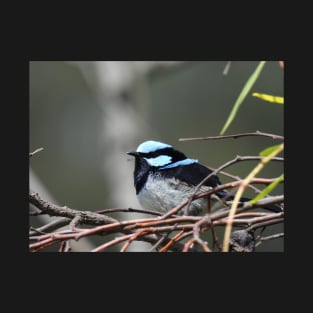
pixel 267 223
pixel 36 151
pixel 227 67
pixel 87 217
pixel 51 226
pixel 65 246
pixel 216 171
pixel 275 236
pixel 128 210
pixel 159 242
pixel 156 230
pixel 234 136
pixel 196 233
pixel 75 221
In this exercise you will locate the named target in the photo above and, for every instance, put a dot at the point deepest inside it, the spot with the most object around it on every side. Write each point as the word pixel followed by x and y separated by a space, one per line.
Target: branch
pixel 216 171
pixel 240 192
pixel 153 230
pixel 266 223
pixel 128 210
pixel 86 217
pixel 36 151
pixel 235 136
pixel 275 236
pixel 51 226
pixel 196 233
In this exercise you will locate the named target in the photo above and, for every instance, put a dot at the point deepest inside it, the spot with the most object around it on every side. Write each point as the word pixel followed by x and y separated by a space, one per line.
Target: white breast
pixel 162 195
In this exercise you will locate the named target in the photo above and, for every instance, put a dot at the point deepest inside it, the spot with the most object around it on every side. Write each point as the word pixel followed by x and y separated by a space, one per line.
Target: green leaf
pixel 246 89
pixel 268 189
pixel 268 150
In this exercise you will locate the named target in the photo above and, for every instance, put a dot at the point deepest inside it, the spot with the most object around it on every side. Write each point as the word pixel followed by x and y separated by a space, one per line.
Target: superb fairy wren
pixel 165 177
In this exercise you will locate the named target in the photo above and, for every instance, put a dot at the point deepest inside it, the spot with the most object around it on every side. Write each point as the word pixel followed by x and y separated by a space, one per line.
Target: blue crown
pixel 151 146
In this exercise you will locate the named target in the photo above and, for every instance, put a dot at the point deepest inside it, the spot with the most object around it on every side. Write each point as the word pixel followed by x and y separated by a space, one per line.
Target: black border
pixel 170 268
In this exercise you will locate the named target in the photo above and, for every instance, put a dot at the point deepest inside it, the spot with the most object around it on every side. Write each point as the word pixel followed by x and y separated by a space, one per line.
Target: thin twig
pixel 214 237
pixel 275 236
pixel 255 220
pixel 266 223
pixel 234 136
pixel 51 226
pixel 139 233
pixel 128 210
pixel 171 241
pixel 65 246
pixel 235 177
pixel 158 243
pixel 188 244
pixel 111 243
pixel 196 233
pixel 75 221
pixel 227 67
pixel 36 151
pixel 36 213
pixel 34 231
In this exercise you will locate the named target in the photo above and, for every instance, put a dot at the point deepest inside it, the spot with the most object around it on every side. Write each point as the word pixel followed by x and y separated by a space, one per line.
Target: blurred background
pixel 88 114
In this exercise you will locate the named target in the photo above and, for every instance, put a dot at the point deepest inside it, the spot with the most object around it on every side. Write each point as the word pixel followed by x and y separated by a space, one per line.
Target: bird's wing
pixel 192 174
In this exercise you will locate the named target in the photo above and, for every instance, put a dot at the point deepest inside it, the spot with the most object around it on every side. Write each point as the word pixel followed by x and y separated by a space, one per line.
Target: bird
pixel 165 177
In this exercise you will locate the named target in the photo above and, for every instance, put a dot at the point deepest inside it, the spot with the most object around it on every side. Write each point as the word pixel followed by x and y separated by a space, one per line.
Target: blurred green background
pixel 87 115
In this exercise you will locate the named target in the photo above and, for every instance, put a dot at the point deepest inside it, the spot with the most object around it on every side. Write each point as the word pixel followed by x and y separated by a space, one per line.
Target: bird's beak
pixel 133 153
